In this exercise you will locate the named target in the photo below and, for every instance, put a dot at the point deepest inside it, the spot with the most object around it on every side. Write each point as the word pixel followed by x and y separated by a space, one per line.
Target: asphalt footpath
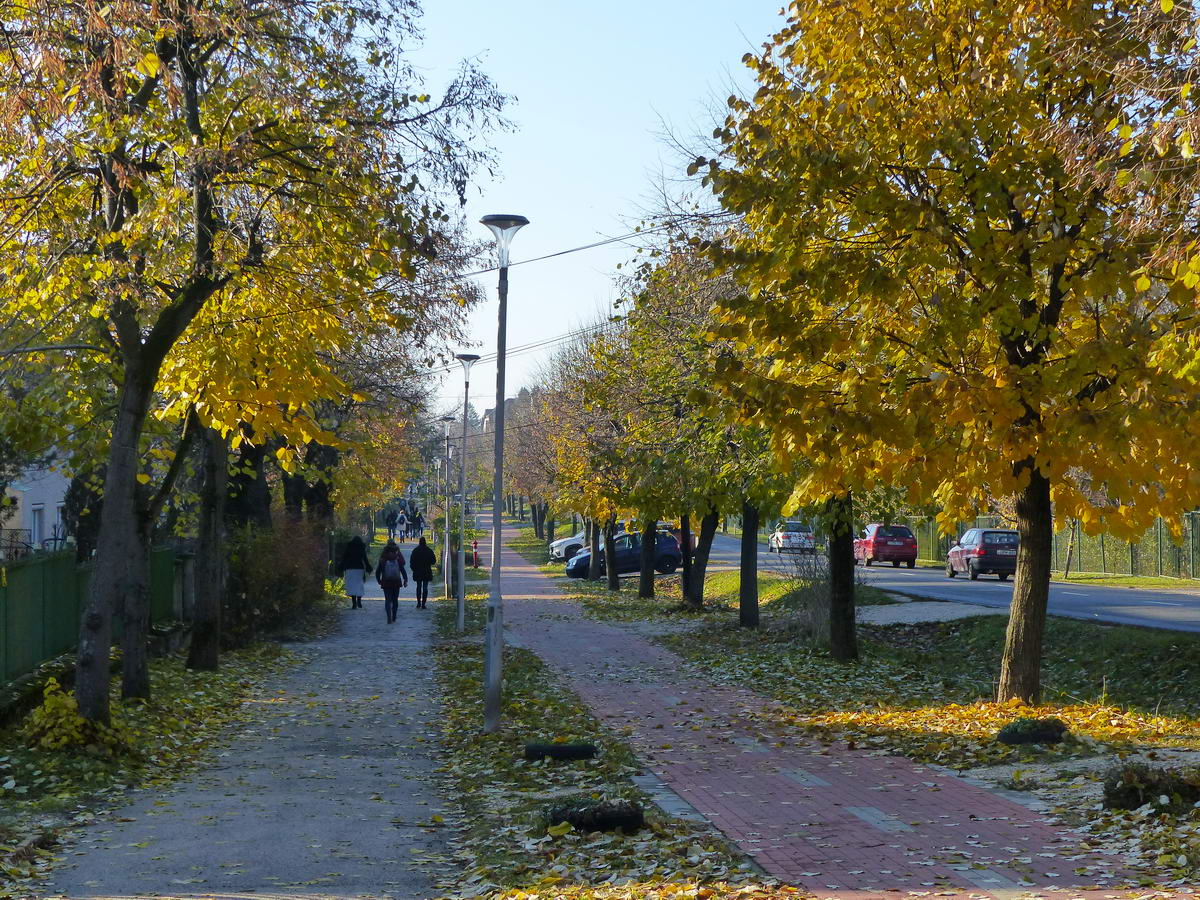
pixel 326 791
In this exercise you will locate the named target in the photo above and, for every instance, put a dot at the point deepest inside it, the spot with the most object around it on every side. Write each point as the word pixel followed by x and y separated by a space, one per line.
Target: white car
pixel 796 537
pixel 565 548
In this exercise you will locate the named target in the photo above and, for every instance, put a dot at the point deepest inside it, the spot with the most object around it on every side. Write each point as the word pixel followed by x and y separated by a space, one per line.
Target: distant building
pixel 33 510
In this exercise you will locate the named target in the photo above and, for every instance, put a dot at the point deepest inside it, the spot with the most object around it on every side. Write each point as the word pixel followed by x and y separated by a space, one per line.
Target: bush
pixel 1033 731
pixel 57 725
pixel 1135 784
pixel 274 575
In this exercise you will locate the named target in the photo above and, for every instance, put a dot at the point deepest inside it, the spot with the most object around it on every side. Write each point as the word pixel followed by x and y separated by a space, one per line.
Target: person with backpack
pixel 391 575
pixel 354 566
pixel 402 526
pixel 422 561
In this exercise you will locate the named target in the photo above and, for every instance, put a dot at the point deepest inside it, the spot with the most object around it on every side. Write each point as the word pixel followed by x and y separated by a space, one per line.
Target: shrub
pixel 1135 784
pixel 57 725
pixel 274 575
pixel 1033 731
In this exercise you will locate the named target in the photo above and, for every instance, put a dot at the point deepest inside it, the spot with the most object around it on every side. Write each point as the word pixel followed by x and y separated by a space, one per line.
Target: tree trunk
pixel 535 514
pixel 593 573
pixel 521 507
pixel 1021 663
pixel 685 554
pixel 205 650
pixel 317 499
pixel 116 572
pixel 694 599
pixel 649 547
pixel 748 568
pixel 610 555
pixel 549 525
pixel 843 640
pixel 1071 540
pixel 293 496
pixel 249 500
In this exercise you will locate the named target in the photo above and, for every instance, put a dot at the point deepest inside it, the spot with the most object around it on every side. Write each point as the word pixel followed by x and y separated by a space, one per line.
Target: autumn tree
pixel 933 299
pixel 173 159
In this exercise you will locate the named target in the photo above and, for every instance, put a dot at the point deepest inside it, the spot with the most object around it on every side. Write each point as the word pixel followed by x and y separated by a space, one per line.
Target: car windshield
pixel 894 531
pixel 1002 538
pixel 795 527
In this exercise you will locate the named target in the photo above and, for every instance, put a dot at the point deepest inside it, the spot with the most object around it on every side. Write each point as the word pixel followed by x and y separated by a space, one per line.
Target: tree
pixel 933 300
pixel 178 162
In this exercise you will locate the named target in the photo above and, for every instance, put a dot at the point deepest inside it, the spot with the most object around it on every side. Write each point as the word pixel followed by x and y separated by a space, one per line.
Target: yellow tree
pixel 934 300
pixel 167 155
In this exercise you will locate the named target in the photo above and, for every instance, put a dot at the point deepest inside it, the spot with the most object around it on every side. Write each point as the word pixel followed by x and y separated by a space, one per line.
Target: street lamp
pixel 503 228
pixel 447 421
pixel 467 360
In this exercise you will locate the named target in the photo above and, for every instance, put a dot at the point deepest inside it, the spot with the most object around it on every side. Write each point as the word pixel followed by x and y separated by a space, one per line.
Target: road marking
pixel 1163 603
pixel 879 819
pixel 1074 593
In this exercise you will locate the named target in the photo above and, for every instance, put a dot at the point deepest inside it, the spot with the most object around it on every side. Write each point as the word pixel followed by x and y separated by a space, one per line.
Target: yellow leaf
pixel 143 478
pixel 560 829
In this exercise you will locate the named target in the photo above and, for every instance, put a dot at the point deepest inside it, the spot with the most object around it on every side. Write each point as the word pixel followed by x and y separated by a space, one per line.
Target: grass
pixel 1152 582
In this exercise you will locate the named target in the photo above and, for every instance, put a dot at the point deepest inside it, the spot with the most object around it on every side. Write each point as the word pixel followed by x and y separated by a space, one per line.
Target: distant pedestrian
pixel 418 524
pixel 402 526
pixel 475 554
pixel 390 520
pixel 354 566
pixel 422 561
pixel 391 575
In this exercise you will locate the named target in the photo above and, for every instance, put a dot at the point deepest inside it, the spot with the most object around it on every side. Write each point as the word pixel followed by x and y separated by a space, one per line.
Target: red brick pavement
pixel 841 823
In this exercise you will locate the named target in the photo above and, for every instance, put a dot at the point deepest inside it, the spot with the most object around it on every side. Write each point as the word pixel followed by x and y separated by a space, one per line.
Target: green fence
pixel 1157 552
pixel 41 601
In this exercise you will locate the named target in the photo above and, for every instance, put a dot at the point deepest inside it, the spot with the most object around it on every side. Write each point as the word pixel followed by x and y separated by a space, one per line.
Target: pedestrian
pixel 390 521
pixel 391 575
pixel 354 566
pixel 418 524
pixel 422 562
pixel 402 526
pixel 475 554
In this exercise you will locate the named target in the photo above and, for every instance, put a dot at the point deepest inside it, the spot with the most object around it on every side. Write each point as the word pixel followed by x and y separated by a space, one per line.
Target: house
pixel 33 511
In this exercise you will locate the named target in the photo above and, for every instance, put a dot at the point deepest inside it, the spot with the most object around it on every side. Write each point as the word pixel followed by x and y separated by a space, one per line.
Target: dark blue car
pixel 629 556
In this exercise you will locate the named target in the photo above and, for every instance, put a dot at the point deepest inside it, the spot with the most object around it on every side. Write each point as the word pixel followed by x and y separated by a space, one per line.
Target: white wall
pixel 41 493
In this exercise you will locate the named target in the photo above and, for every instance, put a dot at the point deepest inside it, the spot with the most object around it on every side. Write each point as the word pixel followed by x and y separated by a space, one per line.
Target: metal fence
pixel 1157 552
pixel 42 598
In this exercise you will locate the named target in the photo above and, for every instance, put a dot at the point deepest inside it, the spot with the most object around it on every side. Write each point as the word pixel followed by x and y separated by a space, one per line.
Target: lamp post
pixel 467 360
pixel 447 421
pixel 503 228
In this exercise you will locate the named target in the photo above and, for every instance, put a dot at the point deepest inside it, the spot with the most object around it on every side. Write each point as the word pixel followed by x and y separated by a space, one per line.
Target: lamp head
pixel 504 226
pixel 467 360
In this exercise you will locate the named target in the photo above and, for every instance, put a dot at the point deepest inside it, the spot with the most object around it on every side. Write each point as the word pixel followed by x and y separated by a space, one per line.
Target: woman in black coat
pixel 421 563
pixel 354 566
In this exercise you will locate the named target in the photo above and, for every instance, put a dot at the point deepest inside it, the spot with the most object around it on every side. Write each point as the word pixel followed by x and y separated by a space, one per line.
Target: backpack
pixel 392 573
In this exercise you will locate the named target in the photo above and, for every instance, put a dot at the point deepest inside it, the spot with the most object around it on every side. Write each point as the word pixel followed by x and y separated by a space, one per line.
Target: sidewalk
pixel 320 795
pixel 840 823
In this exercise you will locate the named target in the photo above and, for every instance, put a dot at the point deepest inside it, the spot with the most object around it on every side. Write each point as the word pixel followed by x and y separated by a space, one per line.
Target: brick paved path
pixel 840 823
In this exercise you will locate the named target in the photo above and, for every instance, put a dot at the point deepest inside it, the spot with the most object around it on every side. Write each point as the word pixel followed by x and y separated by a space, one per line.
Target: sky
pixel 596 86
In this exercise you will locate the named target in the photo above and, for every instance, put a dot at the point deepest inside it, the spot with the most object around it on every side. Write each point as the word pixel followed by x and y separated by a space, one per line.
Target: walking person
pixel 355 565
pixel 402 526
pixel 391 575
pixel 422 561
pixel 418 524
pixel 390 521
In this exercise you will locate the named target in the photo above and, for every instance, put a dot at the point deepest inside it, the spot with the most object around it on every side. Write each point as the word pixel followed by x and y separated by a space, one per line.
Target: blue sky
pixel 595 85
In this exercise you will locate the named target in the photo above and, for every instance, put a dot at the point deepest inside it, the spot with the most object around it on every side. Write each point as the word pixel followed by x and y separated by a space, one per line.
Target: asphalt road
pixel 1175 610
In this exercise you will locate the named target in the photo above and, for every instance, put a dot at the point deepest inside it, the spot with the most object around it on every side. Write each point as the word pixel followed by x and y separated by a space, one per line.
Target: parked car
pixel 984 551
pixel 565 548
pixel 794 536
pixel 628 554
pixel 886 543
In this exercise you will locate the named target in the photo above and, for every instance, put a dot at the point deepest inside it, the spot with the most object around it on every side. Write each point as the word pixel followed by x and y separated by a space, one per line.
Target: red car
pixel 886 543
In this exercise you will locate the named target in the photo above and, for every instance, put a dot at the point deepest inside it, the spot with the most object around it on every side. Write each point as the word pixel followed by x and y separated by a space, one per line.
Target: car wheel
pixel 667 566
pixel 1003 576
pixel 912 563
pixel 972 572
pixel 950 573
pixel 895 563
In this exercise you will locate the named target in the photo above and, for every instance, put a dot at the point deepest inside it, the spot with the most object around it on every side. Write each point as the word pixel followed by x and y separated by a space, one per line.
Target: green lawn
pixel 1154 582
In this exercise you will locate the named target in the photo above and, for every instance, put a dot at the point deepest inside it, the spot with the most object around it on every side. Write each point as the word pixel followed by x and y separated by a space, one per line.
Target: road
pixel 1174 610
